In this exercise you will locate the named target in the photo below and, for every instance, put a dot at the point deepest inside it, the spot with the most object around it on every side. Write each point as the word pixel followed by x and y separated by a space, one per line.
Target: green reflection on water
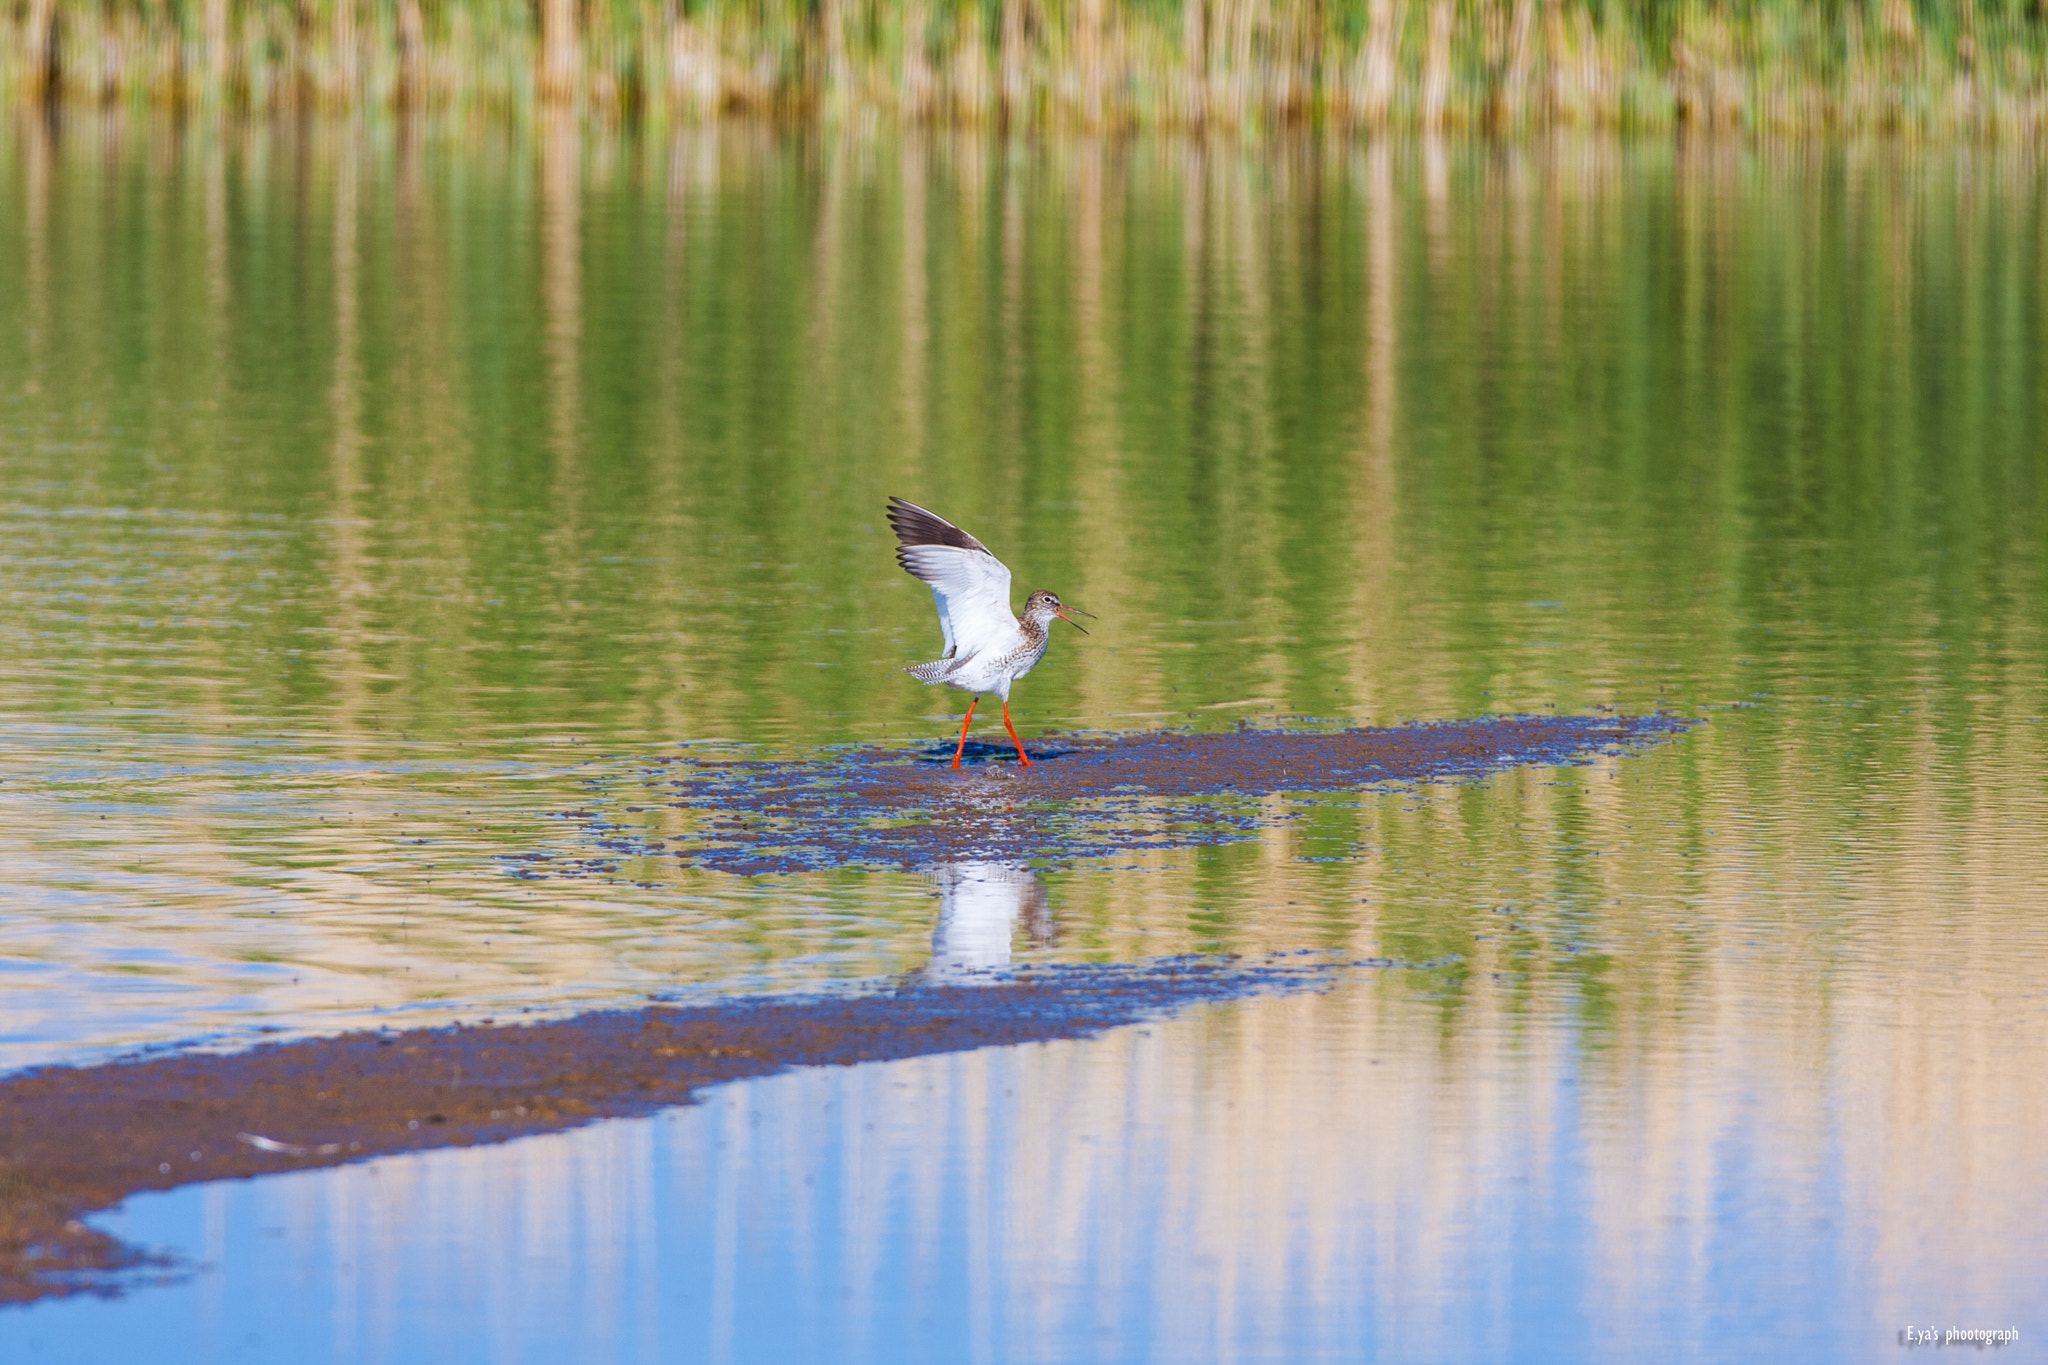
pixel 368 494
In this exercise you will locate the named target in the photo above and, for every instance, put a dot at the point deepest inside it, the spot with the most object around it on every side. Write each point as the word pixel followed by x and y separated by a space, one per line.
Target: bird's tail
pixel 933 672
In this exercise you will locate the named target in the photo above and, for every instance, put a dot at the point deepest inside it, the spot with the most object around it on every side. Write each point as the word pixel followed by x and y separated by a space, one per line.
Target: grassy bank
pixel 1953 66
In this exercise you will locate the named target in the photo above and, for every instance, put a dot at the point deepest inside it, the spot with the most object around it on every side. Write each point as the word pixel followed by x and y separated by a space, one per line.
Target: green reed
pixel 1970 66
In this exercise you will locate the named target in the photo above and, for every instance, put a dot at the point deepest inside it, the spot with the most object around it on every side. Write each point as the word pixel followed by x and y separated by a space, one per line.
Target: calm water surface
pixel 371 500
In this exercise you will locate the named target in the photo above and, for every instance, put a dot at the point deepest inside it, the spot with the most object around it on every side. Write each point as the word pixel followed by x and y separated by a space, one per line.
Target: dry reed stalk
pixel 918 82
pixel 217 46
pixel 560 52
pixel 1509 94
pixel 1436 67
pixel 412 41
pixel 347 54
pixel 1377 58
pixel 1013 82
pixel 39 51
pixel 1194 68
pixel 695 79
pixel 1972 67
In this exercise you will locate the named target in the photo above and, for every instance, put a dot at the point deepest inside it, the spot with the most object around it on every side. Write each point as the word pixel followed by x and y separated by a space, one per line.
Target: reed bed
pixel 1973 67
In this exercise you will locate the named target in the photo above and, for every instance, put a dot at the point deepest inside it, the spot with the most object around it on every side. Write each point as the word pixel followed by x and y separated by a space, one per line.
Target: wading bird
pixel 987 648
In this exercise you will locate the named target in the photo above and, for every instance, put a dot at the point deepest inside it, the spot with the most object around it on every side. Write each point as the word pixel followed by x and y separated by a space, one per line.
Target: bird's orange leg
pixel 1021 756
pixel 963 730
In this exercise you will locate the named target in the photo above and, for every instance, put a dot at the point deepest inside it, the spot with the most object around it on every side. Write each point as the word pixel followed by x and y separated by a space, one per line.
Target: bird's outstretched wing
pixel 971 586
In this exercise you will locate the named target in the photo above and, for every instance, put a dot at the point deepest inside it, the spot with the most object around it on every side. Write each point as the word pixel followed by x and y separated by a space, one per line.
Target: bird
pixel 987 646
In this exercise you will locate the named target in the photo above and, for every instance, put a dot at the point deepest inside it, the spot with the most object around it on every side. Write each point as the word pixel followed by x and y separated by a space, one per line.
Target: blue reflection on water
pixel 1125 1198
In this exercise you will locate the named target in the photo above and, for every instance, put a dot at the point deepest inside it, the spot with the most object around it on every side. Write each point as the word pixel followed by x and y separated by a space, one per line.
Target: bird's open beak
pixel 1062 614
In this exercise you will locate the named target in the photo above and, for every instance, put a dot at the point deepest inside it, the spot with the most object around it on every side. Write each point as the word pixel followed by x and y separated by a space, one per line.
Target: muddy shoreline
pixel 1084 796
pixel 76 1140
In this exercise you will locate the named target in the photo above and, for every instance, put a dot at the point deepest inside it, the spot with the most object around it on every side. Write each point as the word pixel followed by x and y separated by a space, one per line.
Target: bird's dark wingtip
pixel 916 525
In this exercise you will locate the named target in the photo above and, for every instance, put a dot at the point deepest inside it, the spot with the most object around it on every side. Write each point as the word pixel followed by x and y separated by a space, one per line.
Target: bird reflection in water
pixel 980 905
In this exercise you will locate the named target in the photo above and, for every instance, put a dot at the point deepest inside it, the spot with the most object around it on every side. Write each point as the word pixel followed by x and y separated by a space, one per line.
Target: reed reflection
pixel 357 478
pixel 1284 1179
pixel 338 519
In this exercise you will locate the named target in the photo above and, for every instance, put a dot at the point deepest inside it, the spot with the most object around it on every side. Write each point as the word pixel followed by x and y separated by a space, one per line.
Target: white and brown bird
pixel 987 646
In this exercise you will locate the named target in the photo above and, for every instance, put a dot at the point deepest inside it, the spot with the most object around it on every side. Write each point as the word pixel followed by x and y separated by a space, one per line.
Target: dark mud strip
pixel 1085 796
pixel 78 1139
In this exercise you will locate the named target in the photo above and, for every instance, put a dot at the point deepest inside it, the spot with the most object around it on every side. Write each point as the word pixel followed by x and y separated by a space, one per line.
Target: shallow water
pixel 1278 1180
pixel 377 508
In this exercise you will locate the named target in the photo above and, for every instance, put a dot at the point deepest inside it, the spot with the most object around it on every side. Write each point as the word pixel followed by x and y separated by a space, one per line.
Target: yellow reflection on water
pixel 371 491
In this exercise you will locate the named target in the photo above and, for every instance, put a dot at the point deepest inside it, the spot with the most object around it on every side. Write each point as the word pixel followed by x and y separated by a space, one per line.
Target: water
pixel 371 500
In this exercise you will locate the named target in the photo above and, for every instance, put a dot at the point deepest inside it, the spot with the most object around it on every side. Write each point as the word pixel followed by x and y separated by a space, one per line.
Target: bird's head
pixel 1043 606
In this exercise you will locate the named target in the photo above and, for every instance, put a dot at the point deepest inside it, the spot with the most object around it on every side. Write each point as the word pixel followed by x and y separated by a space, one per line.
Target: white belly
pixel 994 671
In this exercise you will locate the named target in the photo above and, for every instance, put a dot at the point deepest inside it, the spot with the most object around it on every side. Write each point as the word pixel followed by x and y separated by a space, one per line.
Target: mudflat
pixel 1084 795
pixel 74 1140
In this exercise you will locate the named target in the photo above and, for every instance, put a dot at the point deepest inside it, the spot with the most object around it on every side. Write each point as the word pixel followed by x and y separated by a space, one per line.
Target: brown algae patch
pixel 74 1140
pixel 1084 796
